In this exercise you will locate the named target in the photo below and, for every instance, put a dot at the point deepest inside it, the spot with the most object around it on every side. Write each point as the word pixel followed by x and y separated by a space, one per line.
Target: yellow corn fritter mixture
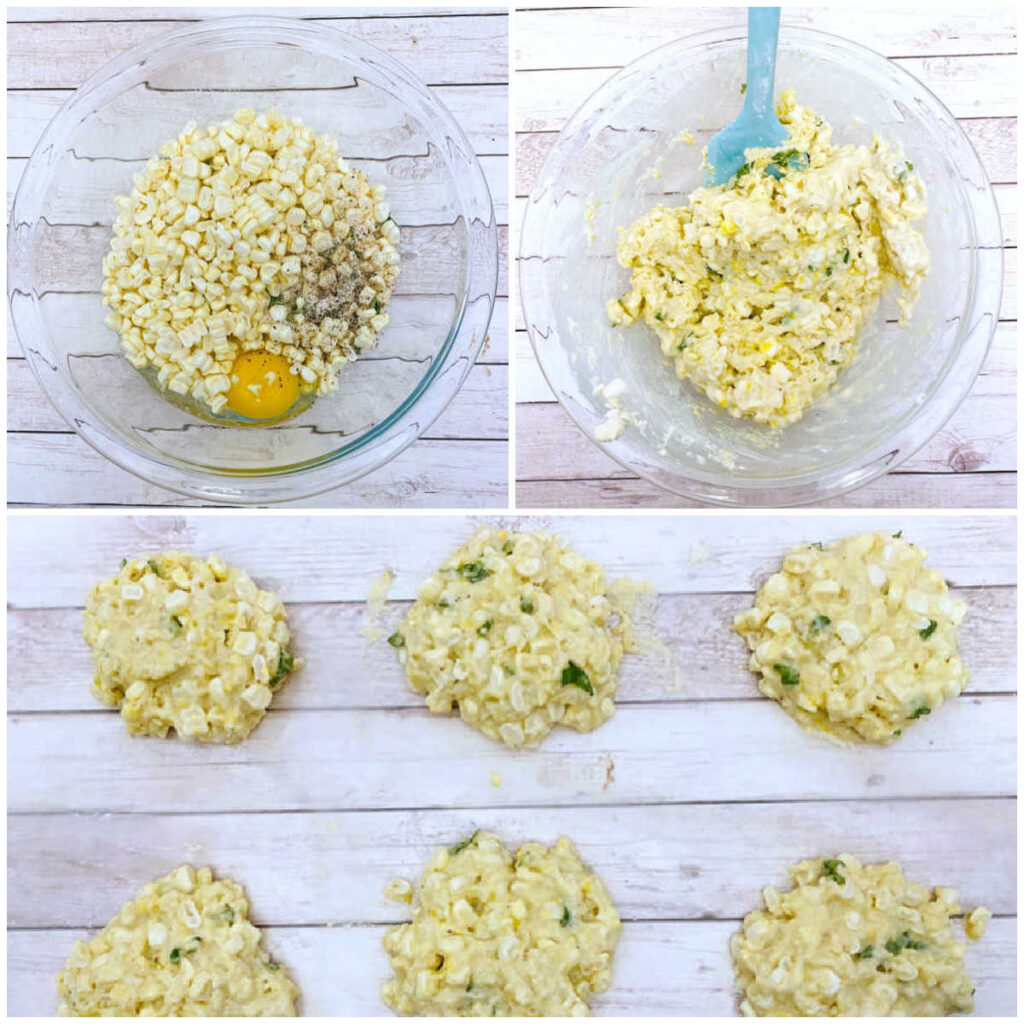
pixel 519 633
pixel 757 289
pixel 249 263
pixel 189 644
pixel 852 940
pixel 856 638
pixel 500 934
pixel 183 947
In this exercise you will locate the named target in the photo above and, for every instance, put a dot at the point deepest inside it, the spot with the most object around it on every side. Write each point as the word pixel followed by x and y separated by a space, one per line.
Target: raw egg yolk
pixel 263 386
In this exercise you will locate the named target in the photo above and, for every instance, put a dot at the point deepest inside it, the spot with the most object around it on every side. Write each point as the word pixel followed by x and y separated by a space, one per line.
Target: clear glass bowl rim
pixel 985 295
pixel 386 439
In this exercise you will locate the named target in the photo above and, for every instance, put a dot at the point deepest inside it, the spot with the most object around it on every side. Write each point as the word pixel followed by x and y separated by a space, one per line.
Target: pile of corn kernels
pixel 252 234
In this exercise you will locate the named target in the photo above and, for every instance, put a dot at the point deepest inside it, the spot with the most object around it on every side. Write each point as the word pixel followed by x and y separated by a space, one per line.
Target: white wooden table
pixel 462 460
pixel 694 796
pixel 967 57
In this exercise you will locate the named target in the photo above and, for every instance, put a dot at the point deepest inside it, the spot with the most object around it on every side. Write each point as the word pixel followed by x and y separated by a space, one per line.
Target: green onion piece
pixel 929 629
pixel 473 572
pixel 566 916
pixel 830 869
pixel 787 674
pixel 526 605
pixel 459 847
pixel 396 640
pixel 485 628
pixel 573 675
pixel 285 664
pixel 922 709
pixel 819 622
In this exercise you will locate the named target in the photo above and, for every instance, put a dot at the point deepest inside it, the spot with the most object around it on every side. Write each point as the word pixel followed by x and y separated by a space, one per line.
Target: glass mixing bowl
pixel 621 153
pixel 387 124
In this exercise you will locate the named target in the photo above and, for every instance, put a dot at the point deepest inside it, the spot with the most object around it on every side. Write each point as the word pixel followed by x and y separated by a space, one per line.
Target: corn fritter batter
pixel 758 288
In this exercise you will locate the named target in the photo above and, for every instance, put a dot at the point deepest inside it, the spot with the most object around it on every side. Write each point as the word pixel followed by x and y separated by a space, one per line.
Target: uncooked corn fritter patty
pixel 856 638
pixel 184 947
pixel 519 633
pixel 853 940
pixel 497 934
pixel 187 643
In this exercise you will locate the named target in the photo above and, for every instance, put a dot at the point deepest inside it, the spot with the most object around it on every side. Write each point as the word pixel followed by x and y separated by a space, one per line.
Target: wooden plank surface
pixel 462 461
pixel 968 58
pixel 349 781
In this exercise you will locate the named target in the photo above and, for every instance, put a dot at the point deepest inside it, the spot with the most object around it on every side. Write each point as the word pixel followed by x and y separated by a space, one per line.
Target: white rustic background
pixel 966 57
pixel 462 460
pixel 694 796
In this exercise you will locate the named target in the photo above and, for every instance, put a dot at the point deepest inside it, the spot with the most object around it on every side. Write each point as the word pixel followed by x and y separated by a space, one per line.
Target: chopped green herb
pixel 897 535
pixel 787 674
pixel 376 306
pixel 920 711
pixel 712 272
pixel 444 603
pixel 485 628
pixel 901 942
pixel 284 666
pixel 743 88
pixel 153 567
pixel 907 168
pixel 786 156
pixel 176 955
pixel 846 255
pixel 866 953
pixel 396 640
pixel 744 169
pixel 526 605
pixel 473 572
pixel 277 300
pixel 226 914
pixel 459 847
pixel 819 622
pixel 828 271
pixel 176 625
pixel 817 545
pixel 929 629
pixel 659 315
pixel 573 675
pixel 124 562
pixel 683 344
pixel 508 546
pixel 566 916
pixel 830 869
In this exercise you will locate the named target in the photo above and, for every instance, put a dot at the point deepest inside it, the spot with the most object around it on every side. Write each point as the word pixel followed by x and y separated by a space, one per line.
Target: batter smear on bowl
pixel 758 288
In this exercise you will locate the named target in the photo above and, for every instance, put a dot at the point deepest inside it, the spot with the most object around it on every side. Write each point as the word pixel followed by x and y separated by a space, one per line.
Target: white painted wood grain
pixel 462 53
pixel 613 36
pixel 968 58
pixel 53 560
pixel 475 46
pixel 372 759
pixel 705 660
pixel 662 969
pixel 62 470
pixel 688 861
pixel 907 490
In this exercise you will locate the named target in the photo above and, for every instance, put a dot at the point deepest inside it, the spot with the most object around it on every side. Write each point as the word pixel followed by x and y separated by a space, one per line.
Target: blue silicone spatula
pixel 757 125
